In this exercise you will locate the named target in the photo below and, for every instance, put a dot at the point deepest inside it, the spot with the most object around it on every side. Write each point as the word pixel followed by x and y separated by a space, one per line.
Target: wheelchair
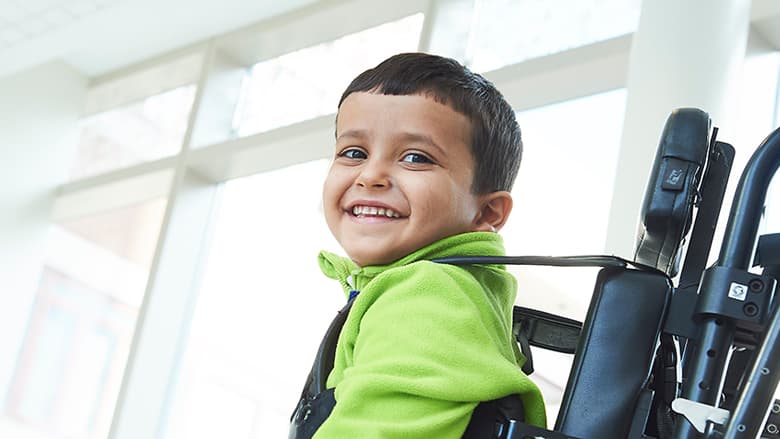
pixel 669 348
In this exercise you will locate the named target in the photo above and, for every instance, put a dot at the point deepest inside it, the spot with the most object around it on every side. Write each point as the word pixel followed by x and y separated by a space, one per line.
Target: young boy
pixel 426 153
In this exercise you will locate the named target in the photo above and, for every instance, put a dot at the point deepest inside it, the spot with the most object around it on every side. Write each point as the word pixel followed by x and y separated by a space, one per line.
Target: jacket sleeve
pixel 426 353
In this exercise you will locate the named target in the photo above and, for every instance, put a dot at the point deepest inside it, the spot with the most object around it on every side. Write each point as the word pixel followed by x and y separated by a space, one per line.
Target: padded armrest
pixel 615 353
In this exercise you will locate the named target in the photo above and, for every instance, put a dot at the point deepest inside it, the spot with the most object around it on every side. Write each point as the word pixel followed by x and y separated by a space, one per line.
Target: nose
pixel 374 174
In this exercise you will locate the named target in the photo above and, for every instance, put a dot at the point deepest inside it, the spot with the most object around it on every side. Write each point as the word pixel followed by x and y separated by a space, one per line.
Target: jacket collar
pixel 353 276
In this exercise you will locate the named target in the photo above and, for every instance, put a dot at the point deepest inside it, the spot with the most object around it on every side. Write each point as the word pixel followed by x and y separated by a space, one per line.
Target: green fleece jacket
pixel 424 343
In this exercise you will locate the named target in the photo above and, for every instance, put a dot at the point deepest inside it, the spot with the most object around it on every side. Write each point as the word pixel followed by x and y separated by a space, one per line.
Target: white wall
pixel 39 109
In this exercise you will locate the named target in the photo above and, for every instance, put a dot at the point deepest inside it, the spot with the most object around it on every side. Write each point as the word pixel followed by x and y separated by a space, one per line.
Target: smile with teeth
pixel 374 211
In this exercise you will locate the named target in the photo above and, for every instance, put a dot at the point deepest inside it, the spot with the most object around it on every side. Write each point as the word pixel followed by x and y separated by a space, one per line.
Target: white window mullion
pixel 166 311
pixel 447 28
pixel 213 121
pixel 429 22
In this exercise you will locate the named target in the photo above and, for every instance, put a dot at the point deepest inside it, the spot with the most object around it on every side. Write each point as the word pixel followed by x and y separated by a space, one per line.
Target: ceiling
pixel 98 36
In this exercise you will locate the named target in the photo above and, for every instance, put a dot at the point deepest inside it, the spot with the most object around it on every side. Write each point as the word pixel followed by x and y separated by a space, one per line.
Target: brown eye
pixel 353 153
pixel 416 157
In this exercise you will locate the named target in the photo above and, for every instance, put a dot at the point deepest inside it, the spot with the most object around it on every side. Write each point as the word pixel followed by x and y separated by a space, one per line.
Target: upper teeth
pixel 370 210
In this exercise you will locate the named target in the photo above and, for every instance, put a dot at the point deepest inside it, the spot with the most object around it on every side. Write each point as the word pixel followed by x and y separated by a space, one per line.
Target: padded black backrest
pixel 615 353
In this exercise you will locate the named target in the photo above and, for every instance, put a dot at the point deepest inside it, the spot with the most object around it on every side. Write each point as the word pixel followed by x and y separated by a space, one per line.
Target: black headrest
pixel 672 189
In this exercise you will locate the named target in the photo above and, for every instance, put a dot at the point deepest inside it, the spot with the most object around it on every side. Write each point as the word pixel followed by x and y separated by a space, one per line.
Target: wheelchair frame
pixel 716 343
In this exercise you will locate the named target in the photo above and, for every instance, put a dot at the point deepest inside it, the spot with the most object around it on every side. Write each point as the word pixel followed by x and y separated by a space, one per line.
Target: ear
pixel 494 211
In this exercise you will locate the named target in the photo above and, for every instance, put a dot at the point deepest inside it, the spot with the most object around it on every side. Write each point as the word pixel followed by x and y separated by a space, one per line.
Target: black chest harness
pixel 490 419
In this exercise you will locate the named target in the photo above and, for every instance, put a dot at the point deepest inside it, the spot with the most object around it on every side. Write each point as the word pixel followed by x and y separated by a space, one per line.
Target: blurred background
pixel 161 164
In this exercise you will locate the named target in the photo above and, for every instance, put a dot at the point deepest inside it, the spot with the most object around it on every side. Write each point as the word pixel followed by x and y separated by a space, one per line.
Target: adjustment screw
pixel 750 309
pixel 756 285
pixel 771 428
pixel 775 408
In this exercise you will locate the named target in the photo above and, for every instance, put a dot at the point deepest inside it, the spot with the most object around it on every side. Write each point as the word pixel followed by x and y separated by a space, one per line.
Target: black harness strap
pixel 317 402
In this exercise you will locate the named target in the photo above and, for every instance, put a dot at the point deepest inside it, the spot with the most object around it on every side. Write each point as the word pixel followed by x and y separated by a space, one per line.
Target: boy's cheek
pixel 329 193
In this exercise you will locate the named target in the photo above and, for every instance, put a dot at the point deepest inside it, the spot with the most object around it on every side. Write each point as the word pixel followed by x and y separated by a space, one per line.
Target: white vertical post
pixel 39 112
pixel 213 122
pixel 684 54
pixel 165 316
pixel 447 29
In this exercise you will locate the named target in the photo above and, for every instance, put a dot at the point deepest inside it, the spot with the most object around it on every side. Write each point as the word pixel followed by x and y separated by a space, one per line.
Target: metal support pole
pixel 737 250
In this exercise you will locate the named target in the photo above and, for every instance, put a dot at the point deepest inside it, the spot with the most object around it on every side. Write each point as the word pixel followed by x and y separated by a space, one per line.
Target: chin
pixel 364 260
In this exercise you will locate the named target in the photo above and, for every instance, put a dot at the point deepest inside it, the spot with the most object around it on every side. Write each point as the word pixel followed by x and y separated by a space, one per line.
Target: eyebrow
pixel 360 134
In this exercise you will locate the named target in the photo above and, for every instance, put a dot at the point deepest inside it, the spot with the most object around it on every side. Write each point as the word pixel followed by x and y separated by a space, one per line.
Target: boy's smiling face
pixel 401 178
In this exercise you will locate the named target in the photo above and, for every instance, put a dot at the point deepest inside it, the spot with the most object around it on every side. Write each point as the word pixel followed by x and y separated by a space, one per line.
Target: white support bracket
pixel 699 414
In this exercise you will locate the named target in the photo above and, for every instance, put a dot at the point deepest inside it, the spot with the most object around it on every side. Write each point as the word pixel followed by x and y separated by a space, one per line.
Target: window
pixel 86 333
pixel 143 131
pixel 508 31
pixel 82 322
pixel 757 110
pixel 308 83
pixel 565 182
pixel 261 309
pixel 760 115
